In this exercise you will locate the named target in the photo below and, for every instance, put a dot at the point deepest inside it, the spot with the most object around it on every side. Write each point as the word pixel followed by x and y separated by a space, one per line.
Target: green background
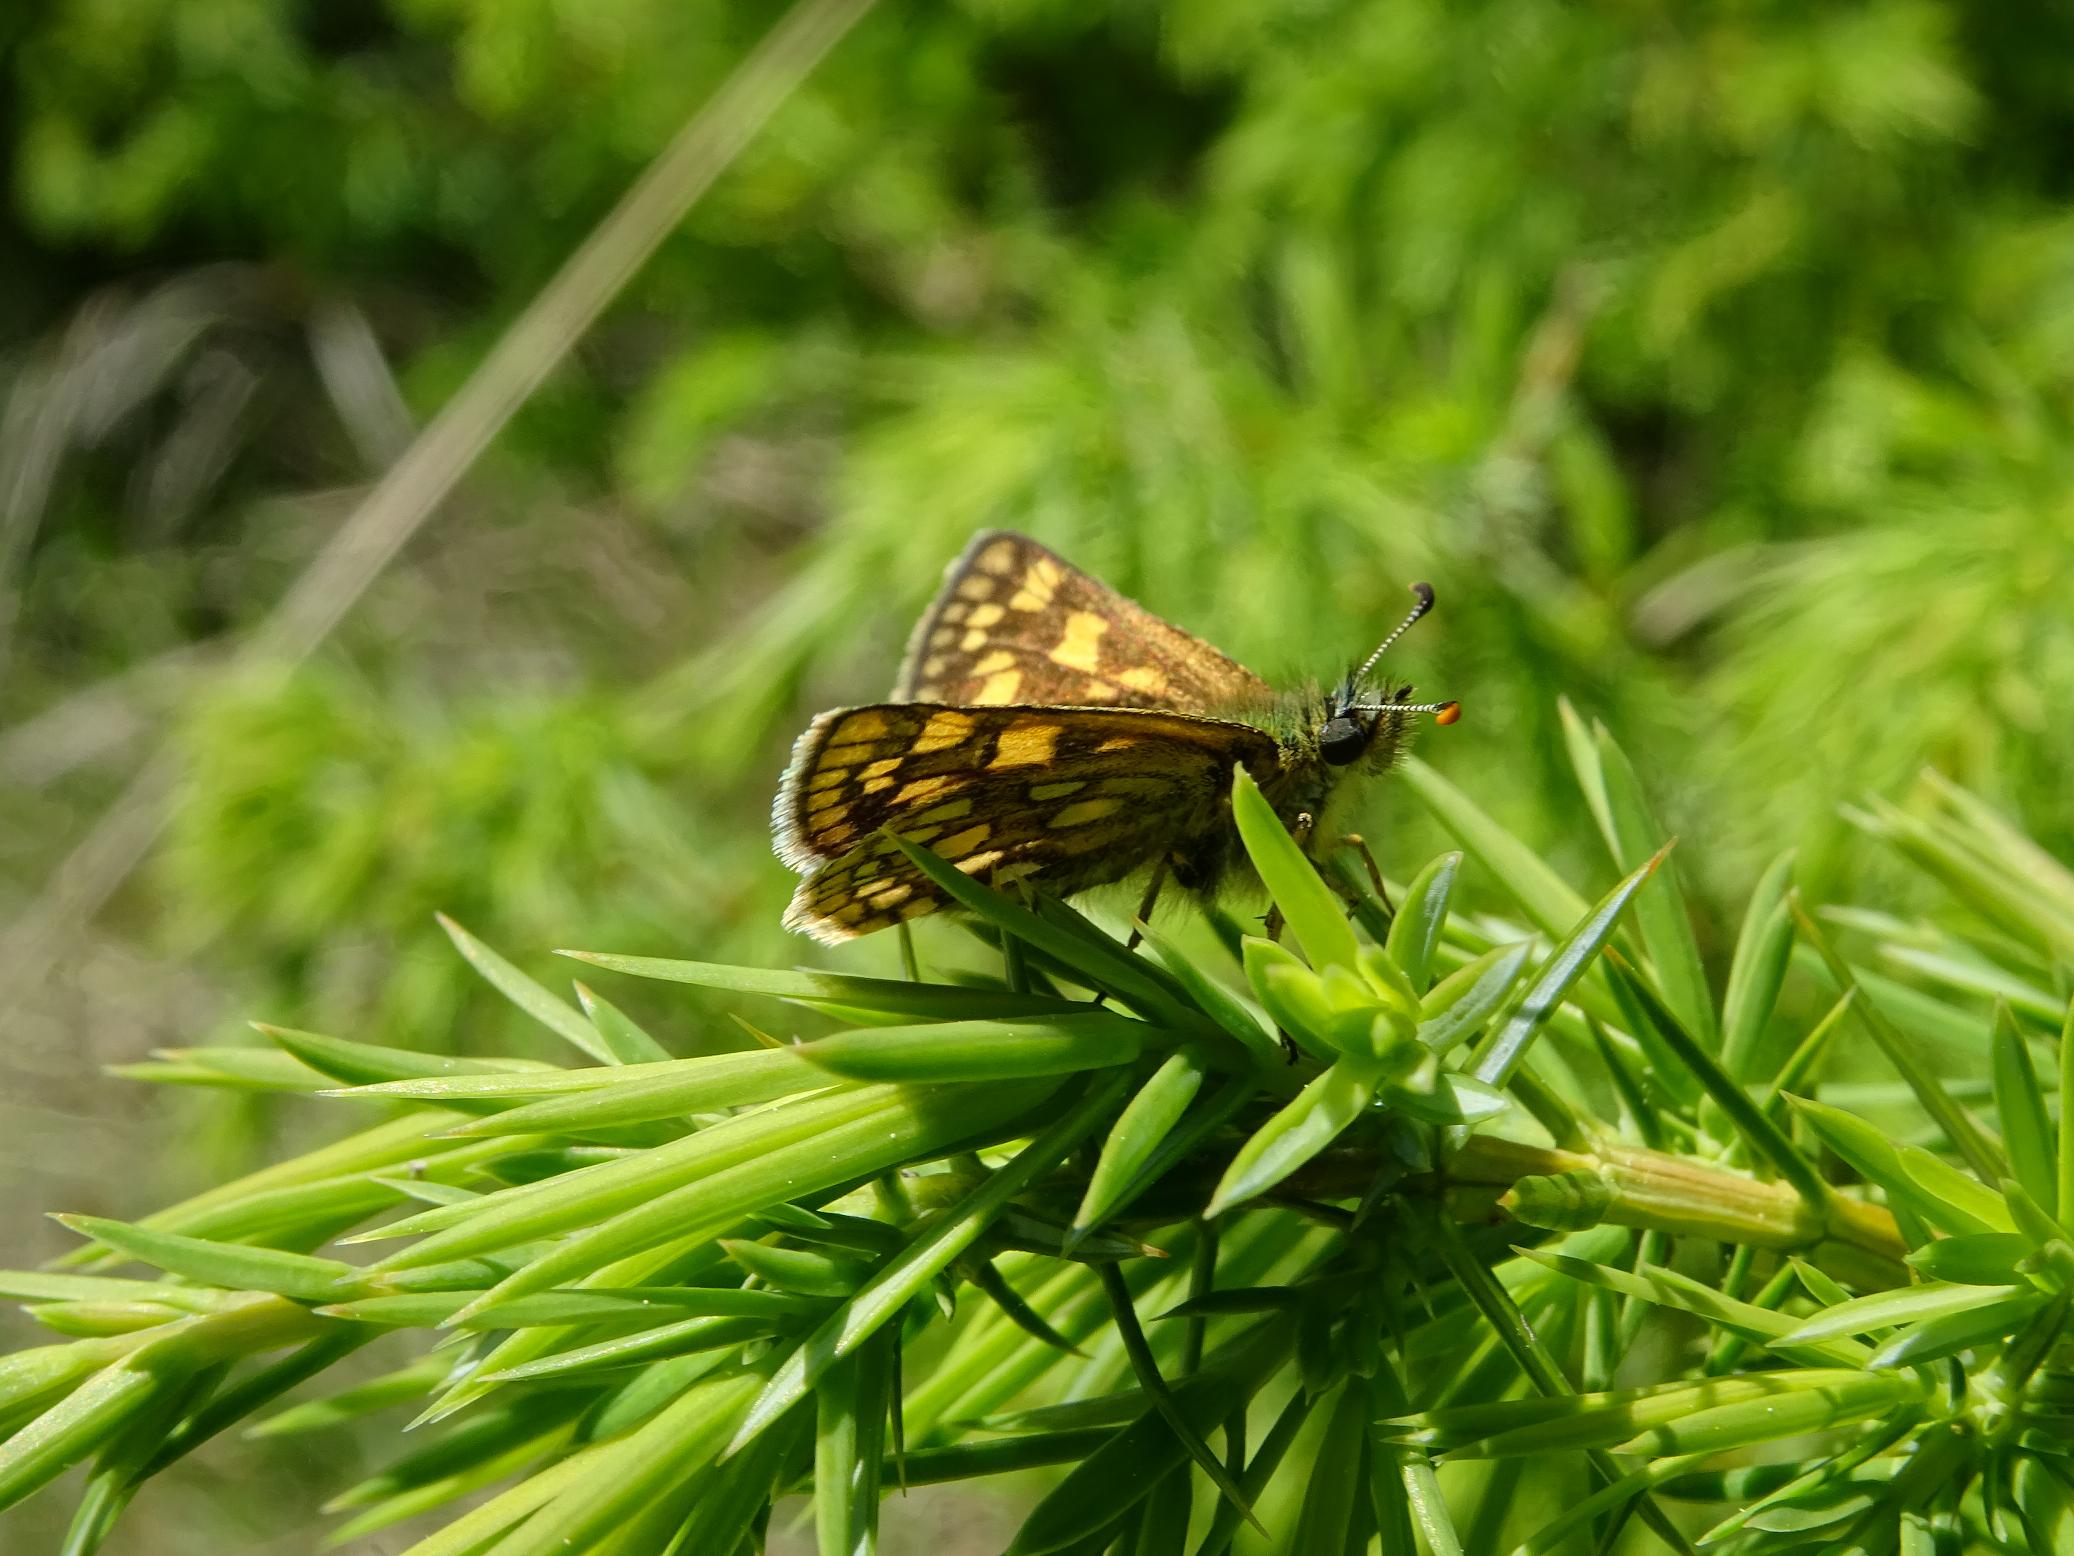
pixel 1713 361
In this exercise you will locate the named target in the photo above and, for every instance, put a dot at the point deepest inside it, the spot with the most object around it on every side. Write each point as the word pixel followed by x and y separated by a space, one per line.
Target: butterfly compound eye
pixel 1341 741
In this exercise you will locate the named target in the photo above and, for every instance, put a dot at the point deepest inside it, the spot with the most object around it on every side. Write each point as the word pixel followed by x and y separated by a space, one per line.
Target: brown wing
pixel 1014 623
pixel 1066 798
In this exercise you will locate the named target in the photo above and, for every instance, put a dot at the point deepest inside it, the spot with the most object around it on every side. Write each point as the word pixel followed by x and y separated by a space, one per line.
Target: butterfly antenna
pixel 1443 712
pixel 1425 593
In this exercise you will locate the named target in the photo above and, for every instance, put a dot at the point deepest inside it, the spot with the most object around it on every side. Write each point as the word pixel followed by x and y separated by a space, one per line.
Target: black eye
pixel 1342 741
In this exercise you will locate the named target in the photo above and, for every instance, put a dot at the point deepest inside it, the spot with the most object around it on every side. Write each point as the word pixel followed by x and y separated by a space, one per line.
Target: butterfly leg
pixel 1359 844
pixel 1147 902
pixel 1369 902
pixel 1300 829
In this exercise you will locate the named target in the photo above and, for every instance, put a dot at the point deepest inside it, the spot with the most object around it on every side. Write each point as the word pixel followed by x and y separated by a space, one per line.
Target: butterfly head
pixel 1356 713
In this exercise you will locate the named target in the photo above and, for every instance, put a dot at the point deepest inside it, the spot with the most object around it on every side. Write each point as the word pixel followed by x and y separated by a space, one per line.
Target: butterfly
pixel 1045 730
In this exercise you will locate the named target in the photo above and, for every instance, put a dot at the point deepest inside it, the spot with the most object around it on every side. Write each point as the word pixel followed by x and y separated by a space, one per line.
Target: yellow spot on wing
pixel 880 768
pixel 877 785
pixel 1057 791
pixel 973 638
pixel 1079 646
pixel 1149 679
pixel 978 862
pixel 943 731
pixel 1083 811
pixel 975 586
pixel 923 789
pixel 998 689
pixel 985 615
pixel 949 810
pixel 1023 745
pixel 997 558
pixel 958 846
pixel 870 724
pixel 1038 586
pixel 999 659
pixel 1117 743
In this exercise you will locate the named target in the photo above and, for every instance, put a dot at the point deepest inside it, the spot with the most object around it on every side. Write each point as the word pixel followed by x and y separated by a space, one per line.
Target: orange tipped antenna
pixel 1443 712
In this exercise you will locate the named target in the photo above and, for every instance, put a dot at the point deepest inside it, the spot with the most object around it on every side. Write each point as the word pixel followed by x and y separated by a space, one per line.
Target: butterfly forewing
pixel 1015 624
pixel 1064 798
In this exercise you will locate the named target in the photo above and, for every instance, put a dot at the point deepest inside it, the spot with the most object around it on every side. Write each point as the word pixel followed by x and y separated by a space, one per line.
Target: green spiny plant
pixel 1526 1241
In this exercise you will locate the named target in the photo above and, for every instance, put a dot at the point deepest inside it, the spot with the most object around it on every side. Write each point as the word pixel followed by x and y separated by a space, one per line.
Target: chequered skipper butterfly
pixel 1046 729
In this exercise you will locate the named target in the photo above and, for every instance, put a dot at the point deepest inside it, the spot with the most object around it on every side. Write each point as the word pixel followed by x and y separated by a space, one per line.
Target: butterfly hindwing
pixel 1015 624
pixel 1065 798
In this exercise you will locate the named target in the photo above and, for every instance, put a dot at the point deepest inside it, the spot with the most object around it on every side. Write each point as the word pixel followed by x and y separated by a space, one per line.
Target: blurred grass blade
pixel 1966 1136
pixel 1758 969
pixel 1660 911
pixel 1541 893
pixel 1766 1140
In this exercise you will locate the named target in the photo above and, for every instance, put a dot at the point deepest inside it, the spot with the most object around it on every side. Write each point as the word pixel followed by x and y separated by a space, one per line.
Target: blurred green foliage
pixel 1711 360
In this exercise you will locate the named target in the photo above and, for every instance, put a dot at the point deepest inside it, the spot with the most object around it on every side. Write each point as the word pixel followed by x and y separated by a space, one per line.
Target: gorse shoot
pixel 1534 1244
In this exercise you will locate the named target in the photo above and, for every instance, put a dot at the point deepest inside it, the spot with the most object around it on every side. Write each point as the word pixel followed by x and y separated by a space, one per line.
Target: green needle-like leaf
pixel 888 996
pixel 1146 1121
pixel 906 1275
pixel 2027 1132
pixel 232 1265
pixel 1832 1400
pixel 1312 912
pixel 1320 1113
pixel 1931 1339
pixel 1913 1066
pixel 1102 962
pixel 1500 1053
pixel 1422 916
pixel 557 1015
pixel 980 1050
pixel 1933 1189
pixel 1766 1139
pixel 618 1031
pixel 1541 893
